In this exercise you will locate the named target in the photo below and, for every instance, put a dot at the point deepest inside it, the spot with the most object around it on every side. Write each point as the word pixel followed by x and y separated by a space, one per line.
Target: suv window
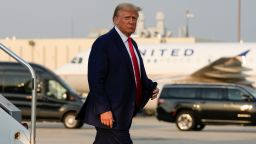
pixel 14 83
pixel 1 83
pixel 55 90
pixel 178 93
pixel 235 94
pixel 212 93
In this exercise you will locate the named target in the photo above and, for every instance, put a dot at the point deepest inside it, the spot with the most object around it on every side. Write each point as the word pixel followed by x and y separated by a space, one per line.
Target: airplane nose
pixel 75 72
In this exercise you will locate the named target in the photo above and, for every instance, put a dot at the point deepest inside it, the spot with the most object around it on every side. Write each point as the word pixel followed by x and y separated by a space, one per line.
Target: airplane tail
pixel 243 55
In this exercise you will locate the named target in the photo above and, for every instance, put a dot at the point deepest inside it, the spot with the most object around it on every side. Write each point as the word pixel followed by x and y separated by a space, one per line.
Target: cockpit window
pixel 77 60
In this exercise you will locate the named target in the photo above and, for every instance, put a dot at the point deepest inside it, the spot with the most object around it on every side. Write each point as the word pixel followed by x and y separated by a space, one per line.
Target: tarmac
pixel 148 130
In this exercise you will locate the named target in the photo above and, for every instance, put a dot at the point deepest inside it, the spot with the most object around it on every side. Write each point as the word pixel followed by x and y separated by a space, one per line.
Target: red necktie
pixel 136 71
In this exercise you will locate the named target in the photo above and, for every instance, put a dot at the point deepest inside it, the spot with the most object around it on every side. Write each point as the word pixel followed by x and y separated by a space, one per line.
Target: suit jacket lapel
pixel 123 50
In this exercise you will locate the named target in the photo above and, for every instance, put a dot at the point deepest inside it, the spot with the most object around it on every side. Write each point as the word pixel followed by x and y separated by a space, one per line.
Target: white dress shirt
pixel 125 40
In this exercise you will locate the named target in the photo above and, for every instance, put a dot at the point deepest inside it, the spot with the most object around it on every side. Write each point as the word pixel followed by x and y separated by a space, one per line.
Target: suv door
pixel 52 98
pixel 213 106
pixel 238 106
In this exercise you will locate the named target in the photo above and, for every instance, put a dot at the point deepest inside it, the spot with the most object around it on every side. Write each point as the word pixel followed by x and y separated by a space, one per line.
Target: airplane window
pixel 80 60
pixel 73 60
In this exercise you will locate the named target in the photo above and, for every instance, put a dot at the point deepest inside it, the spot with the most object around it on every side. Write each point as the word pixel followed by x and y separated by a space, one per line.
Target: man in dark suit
pixel 119 86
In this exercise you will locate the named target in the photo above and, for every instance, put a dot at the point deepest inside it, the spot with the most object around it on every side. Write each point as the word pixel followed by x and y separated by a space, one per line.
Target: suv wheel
pixel 70 121
pixel 185 121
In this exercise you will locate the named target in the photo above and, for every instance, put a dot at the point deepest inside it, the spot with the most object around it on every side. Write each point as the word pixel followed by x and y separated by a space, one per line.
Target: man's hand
pixel 106 119
pixel 155 93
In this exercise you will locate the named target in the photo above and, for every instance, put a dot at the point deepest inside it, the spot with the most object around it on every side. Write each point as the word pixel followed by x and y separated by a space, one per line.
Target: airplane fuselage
pixel 166 61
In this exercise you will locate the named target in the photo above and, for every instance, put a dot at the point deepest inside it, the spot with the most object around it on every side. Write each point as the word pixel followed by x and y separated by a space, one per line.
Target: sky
pixel 213 19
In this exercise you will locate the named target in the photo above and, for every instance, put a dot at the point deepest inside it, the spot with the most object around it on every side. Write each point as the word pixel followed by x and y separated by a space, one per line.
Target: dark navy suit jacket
pixel 112 83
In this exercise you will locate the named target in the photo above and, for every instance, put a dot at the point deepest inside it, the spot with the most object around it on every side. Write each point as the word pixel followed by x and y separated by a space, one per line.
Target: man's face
pixel 126 21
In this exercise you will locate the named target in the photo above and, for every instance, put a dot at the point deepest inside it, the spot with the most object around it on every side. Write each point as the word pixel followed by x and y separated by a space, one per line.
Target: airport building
pixel 54 53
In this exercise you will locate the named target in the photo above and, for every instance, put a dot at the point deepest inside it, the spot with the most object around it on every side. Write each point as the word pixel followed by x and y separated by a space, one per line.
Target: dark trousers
pixel 111 136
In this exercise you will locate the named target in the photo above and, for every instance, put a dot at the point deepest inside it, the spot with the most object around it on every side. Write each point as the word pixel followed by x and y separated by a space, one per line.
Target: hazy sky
pixel 214 19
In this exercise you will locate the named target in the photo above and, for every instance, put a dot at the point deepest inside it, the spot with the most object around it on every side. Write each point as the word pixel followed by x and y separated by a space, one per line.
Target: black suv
pixel 192 106
pixel 56 101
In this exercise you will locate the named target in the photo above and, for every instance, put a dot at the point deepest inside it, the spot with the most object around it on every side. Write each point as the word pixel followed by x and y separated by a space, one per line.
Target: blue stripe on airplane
pixel 244 53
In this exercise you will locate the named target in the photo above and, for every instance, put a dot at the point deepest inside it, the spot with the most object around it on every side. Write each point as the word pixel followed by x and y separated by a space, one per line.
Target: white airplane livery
pixel 167 62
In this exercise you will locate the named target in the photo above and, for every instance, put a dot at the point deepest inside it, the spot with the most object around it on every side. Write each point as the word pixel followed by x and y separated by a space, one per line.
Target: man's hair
pixel 126 6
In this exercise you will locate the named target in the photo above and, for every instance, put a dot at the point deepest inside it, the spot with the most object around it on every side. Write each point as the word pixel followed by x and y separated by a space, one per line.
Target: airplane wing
pixel 227 69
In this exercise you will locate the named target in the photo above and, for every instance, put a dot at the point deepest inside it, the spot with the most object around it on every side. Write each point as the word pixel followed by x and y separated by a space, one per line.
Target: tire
pixel 69 121
pixel 185 121
pixel 199 127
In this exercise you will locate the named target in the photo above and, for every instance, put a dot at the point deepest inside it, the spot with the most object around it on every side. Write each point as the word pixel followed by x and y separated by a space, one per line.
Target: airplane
pixel 170 62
